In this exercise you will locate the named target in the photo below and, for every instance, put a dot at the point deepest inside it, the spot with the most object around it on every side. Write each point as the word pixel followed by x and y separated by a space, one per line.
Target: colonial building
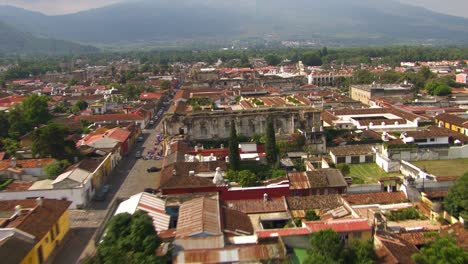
pixel 204 125
pixel 365 93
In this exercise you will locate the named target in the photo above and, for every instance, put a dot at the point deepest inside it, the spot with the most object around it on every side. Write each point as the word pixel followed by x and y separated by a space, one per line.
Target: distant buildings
pixel 367 93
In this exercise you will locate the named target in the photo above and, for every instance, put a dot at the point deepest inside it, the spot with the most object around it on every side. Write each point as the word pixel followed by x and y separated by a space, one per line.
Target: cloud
pixel 54 7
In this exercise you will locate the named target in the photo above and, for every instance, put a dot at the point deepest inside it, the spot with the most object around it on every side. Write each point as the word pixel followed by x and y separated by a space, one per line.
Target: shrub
pixel 311 215
pixel 5 183
pixel 344 168
pixel 405 214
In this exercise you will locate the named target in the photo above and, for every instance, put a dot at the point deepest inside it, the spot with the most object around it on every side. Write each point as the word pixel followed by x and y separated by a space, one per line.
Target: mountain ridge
pixel 201 19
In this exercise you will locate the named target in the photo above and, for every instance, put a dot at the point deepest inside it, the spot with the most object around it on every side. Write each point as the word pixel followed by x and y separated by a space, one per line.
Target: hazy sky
pixel 453 7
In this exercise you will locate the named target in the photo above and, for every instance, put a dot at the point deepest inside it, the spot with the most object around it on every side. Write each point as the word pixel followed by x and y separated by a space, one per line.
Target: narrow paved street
pixel 128 178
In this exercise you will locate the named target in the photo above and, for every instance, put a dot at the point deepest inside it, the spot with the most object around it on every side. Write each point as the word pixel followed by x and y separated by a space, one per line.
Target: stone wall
pixel 216 124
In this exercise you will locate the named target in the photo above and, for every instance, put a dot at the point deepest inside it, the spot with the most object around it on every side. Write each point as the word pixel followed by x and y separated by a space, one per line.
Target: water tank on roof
pixel 408 140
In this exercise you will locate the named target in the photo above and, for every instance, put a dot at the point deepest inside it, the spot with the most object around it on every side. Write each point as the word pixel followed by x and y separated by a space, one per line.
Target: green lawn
pixel 299 256
pixel 367 173
pixel 455 167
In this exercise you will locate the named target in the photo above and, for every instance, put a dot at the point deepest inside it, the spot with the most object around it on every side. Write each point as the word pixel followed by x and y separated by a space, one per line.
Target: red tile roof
pixel 19 186
pixel 111 117
pixel 26 163
pixel 236 221
pixel 10 101
pixel 340 226
pixel 253 206
pixel 150 96
pixel 37 220
pixel 283 232
pixel 118 133
pixel 376 198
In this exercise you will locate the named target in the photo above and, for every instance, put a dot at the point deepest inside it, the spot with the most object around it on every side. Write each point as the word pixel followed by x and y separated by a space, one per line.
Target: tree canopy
pixel 456 201
pixel 272 59
pixel 234 158
pixel 270 145
pixel 327 247
pixel 52 170
pixel 437 88
pixel 129 239
pixel 443 250
pixel 49 141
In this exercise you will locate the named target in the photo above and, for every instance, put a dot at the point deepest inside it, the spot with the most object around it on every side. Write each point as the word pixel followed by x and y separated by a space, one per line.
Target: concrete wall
pixel 456 152
pixel 365 188
pixel 76 196
pixel 386 164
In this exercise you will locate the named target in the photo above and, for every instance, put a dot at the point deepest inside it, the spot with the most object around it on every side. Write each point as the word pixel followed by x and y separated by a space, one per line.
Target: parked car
pixel 138 154
pixel 139 139
pixel 151 190
pixel 101 194
pixel 349 180
pixel 153 169
pixel 151 122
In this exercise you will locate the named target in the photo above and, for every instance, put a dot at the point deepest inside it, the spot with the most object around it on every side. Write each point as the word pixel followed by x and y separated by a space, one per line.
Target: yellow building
pixel 457 123
pixel 35 227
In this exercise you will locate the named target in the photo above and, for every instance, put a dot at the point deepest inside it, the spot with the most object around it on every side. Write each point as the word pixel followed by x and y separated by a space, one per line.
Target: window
pixel 57 230
pixel 52 235
pixel 47 239
pixel 341 160
pixel 357 235
pixel 354 159
pixel 369 158
pixel 432 139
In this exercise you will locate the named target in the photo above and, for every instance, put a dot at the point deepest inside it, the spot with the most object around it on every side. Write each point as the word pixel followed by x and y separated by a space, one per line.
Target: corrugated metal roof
pixel 205 242
pixel 298 180
pixel 154 206
pixel 283 232
pixel 199 216
pixel 249 253
pixel 340 226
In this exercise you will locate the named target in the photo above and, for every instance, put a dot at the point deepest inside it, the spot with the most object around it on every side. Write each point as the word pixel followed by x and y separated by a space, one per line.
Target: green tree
pixel 425 73
pixel 165 84
pixel 52 170
pixel 324 52
pixel 441 250
pixel 272 59
pixel 325 247
pixel 311 215
pixel 234 157
pixel 10 146
pixel 456 201
pixel 270 145
pixel 437 88
pixel 81 104
pixel 49 141
pixel 129 239
pixel 246 178
pixel 360 252
pixel 311 58
pixel 344 168
pixel 4 124
pixel 36 110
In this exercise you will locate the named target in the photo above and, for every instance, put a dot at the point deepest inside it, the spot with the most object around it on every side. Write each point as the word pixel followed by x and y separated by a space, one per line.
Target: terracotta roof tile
pixel 349 150
pixel 236 221
pixel 321 202
pixel 252 206
pixel 339 226
pixel 395 250
pixel 39 219
pixel 376 198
